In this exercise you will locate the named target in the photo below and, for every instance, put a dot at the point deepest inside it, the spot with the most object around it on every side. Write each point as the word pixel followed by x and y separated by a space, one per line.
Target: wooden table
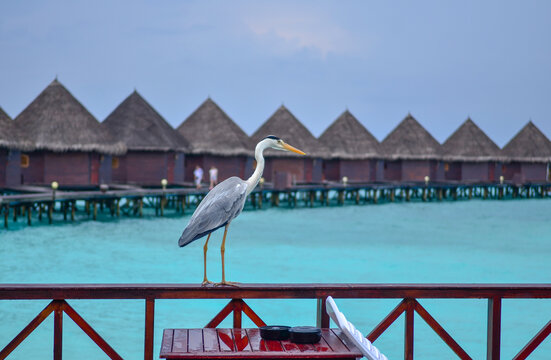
pixel 209 343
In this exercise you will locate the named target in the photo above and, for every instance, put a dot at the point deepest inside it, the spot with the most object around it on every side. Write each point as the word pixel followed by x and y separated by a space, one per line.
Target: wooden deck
pixel 209 343
pixel 40 203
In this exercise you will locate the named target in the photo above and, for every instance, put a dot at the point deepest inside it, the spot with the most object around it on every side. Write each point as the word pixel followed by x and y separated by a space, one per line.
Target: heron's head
pixel 276 143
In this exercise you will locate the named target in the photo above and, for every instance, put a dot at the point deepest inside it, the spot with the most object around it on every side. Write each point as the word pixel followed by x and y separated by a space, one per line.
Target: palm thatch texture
pixel 470 143
pixel 10 135
pixel 285 125
pixel 136 123
pixel 347 138
pixel 57 121
pixel 410 140
pixel 529 145
pixel 209 130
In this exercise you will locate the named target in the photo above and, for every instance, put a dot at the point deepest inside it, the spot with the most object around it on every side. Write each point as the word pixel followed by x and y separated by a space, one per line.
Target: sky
pixel 441 61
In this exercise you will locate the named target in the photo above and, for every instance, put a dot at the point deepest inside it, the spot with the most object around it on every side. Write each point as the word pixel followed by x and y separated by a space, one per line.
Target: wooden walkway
pixel 41 203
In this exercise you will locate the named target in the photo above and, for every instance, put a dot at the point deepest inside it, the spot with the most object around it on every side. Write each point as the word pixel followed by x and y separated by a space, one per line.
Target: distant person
pixel 213 174
pixel 198 176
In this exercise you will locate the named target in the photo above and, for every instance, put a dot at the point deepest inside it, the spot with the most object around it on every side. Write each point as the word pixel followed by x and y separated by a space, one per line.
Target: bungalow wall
pixel 300 169
pixel 105 169
pixel 227 166
pixel 511 171
pixel 145 167
pixel 452 171
pixel 534 171
pixel 412 170
pixel 3 166
pixel 313 170
pixel 179 168
pixel 148 167
pixel 10 167
pixel 67 168
pixel 71 168
pixel 392 170
pixel 293 166
pixel 354 170
pixel 475 171
pixel 331 170
pixel 416 170
pixel 380 170
pixel 34 172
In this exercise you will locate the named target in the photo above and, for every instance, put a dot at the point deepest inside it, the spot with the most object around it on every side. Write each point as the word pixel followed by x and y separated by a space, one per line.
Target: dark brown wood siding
pixel 393 170
pixel 474 171
pixel 331 170
pixel 34 173
pixel 355 170
pixel 534 172
pixel 145 167
pixel 293 166
pixel 3 166
pixel 415 170
pixel 69 168
pixel 227 166
pixel 452 171
pixel 511 171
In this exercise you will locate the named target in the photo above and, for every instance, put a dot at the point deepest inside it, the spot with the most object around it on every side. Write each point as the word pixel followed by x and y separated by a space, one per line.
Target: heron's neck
pixel 253 180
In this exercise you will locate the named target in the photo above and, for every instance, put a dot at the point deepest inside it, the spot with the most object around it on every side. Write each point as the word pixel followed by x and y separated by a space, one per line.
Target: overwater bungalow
pixel 411 153
pixel 155 150
pixel 203 130
pixel 70 146
pixel 353 150
pixel 470 155
pixel 286 168
pixel 527 156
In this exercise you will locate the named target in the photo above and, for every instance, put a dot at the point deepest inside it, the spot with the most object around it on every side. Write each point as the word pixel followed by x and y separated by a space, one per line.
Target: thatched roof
pixel 347 138
pixel 10 136
pixel 57 121
pixel 3 116
pixel 285 125
pixel 136 123
pixel 529 144
pixel 410 140
pixel 209 130
pixel 470 143
pixel 7 138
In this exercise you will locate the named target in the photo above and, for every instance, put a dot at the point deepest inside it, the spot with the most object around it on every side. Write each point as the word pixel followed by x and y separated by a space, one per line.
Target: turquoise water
pixel 458 242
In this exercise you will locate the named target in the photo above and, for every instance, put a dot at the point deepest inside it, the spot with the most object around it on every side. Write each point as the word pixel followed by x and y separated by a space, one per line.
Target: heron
pixel 225 202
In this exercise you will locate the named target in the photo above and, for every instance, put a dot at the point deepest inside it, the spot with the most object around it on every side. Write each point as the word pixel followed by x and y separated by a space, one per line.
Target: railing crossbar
pixel 534 343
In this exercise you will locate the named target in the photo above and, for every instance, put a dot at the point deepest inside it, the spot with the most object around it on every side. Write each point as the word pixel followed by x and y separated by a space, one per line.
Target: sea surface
pixel 449 242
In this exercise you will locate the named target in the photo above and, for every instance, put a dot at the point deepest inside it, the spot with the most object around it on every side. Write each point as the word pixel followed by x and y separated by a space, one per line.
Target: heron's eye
pixel 280 142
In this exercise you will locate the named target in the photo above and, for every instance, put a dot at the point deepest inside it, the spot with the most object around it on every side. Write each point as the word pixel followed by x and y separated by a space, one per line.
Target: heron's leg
pixel 205 280
pixel 222 251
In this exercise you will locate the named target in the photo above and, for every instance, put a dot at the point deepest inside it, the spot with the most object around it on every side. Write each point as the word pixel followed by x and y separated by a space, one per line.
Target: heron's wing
pixel 223 203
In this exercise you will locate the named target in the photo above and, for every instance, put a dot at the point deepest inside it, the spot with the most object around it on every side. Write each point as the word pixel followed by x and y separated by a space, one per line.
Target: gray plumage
pixel 221 205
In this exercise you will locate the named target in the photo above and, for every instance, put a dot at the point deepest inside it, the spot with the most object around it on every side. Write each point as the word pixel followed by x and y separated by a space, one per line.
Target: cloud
pixel 296 30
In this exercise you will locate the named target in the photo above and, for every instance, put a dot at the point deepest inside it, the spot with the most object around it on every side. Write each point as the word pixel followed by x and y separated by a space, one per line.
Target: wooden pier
pixel 42 204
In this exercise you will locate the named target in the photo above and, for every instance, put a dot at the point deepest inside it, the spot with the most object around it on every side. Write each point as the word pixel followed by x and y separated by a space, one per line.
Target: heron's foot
pixel 206 282
pixel 227 283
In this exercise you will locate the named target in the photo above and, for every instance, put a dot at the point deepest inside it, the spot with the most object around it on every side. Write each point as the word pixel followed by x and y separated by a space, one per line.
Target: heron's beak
pixel 293 149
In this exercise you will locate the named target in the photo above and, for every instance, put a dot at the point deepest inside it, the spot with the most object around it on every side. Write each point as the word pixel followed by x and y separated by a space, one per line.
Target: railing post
pixel 237 313
pixel 322 318
pixel 58 332
pixel 149 328
pixel 494 328
pixel 408 337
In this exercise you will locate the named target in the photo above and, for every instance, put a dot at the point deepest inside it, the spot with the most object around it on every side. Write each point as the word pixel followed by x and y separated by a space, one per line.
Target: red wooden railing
pixel 410 293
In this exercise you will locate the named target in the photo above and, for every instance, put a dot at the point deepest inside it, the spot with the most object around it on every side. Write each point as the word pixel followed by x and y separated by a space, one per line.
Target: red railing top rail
pixel 272 291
